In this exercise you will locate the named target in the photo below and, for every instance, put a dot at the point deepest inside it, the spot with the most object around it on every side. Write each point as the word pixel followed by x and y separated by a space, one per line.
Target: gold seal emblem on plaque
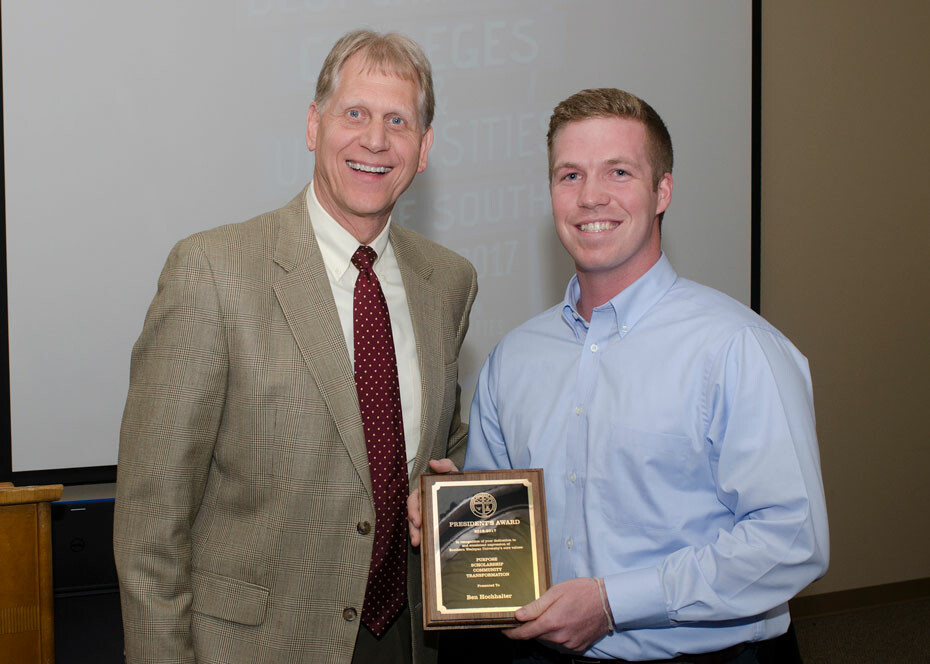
pixel 483 505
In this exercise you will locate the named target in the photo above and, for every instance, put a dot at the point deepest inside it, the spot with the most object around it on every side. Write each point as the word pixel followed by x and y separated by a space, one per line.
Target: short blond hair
pixel 608 103
pixel 390 53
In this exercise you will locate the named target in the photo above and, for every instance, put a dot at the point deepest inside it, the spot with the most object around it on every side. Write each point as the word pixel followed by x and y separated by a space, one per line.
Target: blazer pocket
pixel 227 598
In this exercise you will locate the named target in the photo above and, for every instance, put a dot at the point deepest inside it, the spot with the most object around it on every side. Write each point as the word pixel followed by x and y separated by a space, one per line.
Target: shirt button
pixel 569 543
pixel 593 348
pixel 571 478
pixel 349 614
pixel 577 410
pixel 624 328
pixel 363 527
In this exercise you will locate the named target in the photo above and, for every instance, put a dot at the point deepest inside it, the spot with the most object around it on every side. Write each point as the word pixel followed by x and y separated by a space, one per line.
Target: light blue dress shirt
pixel 677 435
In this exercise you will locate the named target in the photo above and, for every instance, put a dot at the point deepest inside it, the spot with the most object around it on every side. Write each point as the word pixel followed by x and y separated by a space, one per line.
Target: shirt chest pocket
pixel 645 479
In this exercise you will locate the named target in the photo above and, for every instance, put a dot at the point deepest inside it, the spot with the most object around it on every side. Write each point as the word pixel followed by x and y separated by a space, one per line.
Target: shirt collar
pixel 629 305
pixel 337 245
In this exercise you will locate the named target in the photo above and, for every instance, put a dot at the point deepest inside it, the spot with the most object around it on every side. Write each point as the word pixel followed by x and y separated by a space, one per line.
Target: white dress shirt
pixel 337 246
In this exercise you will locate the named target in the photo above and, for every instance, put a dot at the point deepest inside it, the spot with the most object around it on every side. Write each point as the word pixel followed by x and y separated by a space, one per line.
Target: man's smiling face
pixel 369 145
pixel 604 201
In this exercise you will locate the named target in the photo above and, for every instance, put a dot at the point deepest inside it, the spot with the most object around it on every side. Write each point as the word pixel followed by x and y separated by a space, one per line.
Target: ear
pixel 664 190
pixel 313 125
pixel 425 144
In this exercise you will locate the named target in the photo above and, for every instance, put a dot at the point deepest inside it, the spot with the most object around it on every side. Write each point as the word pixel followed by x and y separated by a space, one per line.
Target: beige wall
pixel 846 261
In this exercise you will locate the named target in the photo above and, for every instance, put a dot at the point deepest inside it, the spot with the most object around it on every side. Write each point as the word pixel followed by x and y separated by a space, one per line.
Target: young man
pixel 674 425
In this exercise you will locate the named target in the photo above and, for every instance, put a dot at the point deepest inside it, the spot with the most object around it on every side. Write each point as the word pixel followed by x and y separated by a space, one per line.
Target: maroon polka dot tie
pixel 382 418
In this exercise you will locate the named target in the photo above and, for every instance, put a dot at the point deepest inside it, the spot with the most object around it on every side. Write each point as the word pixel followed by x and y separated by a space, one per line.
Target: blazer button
pixel 349 614
pixel 363 527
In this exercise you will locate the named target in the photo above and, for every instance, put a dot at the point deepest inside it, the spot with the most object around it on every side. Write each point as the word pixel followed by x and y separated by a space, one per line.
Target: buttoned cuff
pixel 636 599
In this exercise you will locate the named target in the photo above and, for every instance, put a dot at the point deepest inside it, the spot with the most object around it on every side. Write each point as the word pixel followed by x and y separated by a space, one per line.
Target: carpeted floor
pixel 883 635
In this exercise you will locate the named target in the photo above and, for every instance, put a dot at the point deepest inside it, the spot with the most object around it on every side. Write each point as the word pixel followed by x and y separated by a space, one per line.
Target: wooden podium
pixel 26 609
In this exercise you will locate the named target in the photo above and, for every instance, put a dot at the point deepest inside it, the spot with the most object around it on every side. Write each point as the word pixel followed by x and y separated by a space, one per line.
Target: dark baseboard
pixel 66 476
pixel 812 606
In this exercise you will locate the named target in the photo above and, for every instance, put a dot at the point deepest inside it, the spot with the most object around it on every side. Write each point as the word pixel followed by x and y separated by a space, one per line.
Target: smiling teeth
pixel 597 226
pixel 368 169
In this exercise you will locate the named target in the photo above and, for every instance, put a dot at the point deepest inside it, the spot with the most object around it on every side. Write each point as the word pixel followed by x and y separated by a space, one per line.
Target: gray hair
pixel 391 53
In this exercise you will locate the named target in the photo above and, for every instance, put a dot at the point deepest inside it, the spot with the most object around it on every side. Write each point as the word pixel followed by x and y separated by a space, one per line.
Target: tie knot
pixel 363 258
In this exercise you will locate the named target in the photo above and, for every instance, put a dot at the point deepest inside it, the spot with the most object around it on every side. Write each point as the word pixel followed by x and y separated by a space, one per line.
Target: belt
pixel 716 657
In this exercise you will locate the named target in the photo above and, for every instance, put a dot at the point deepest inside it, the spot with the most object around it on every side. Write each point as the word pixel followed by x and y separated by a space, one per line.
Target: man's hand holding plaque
pixel 572 615
pixel 414 516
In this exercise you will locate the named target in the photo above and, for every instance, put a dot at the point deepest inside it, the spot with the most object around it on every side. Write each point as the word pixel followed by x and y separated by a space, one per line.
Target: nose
pixel 374 137
pixel 592 194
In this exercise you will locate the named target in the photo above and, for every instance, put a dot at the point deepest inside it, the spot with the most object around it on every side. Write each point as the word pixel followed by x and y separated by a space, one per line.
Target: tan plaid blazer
pixel 243 484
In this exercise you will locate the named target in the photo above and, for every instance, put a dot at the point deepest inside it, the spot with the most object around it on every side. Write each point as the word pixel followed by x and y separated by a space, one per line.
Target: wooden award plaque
pixel 485 546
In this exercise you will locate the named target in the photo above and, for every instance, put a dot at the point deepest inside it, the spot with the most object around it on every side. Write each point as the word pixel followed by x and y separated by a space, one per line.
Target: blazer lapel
pixel 307 301
pixel 425 305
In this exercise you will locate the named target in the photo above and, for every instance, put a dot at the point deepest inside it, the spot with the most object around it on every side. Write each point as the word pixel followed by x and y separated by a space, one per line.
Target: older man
pixel 293 372
pixel 675 426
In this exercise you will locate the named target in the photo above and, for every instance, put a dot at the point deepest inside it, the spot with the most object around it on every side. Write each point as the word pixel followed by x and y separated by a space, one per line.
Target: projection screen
pixel 129 125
